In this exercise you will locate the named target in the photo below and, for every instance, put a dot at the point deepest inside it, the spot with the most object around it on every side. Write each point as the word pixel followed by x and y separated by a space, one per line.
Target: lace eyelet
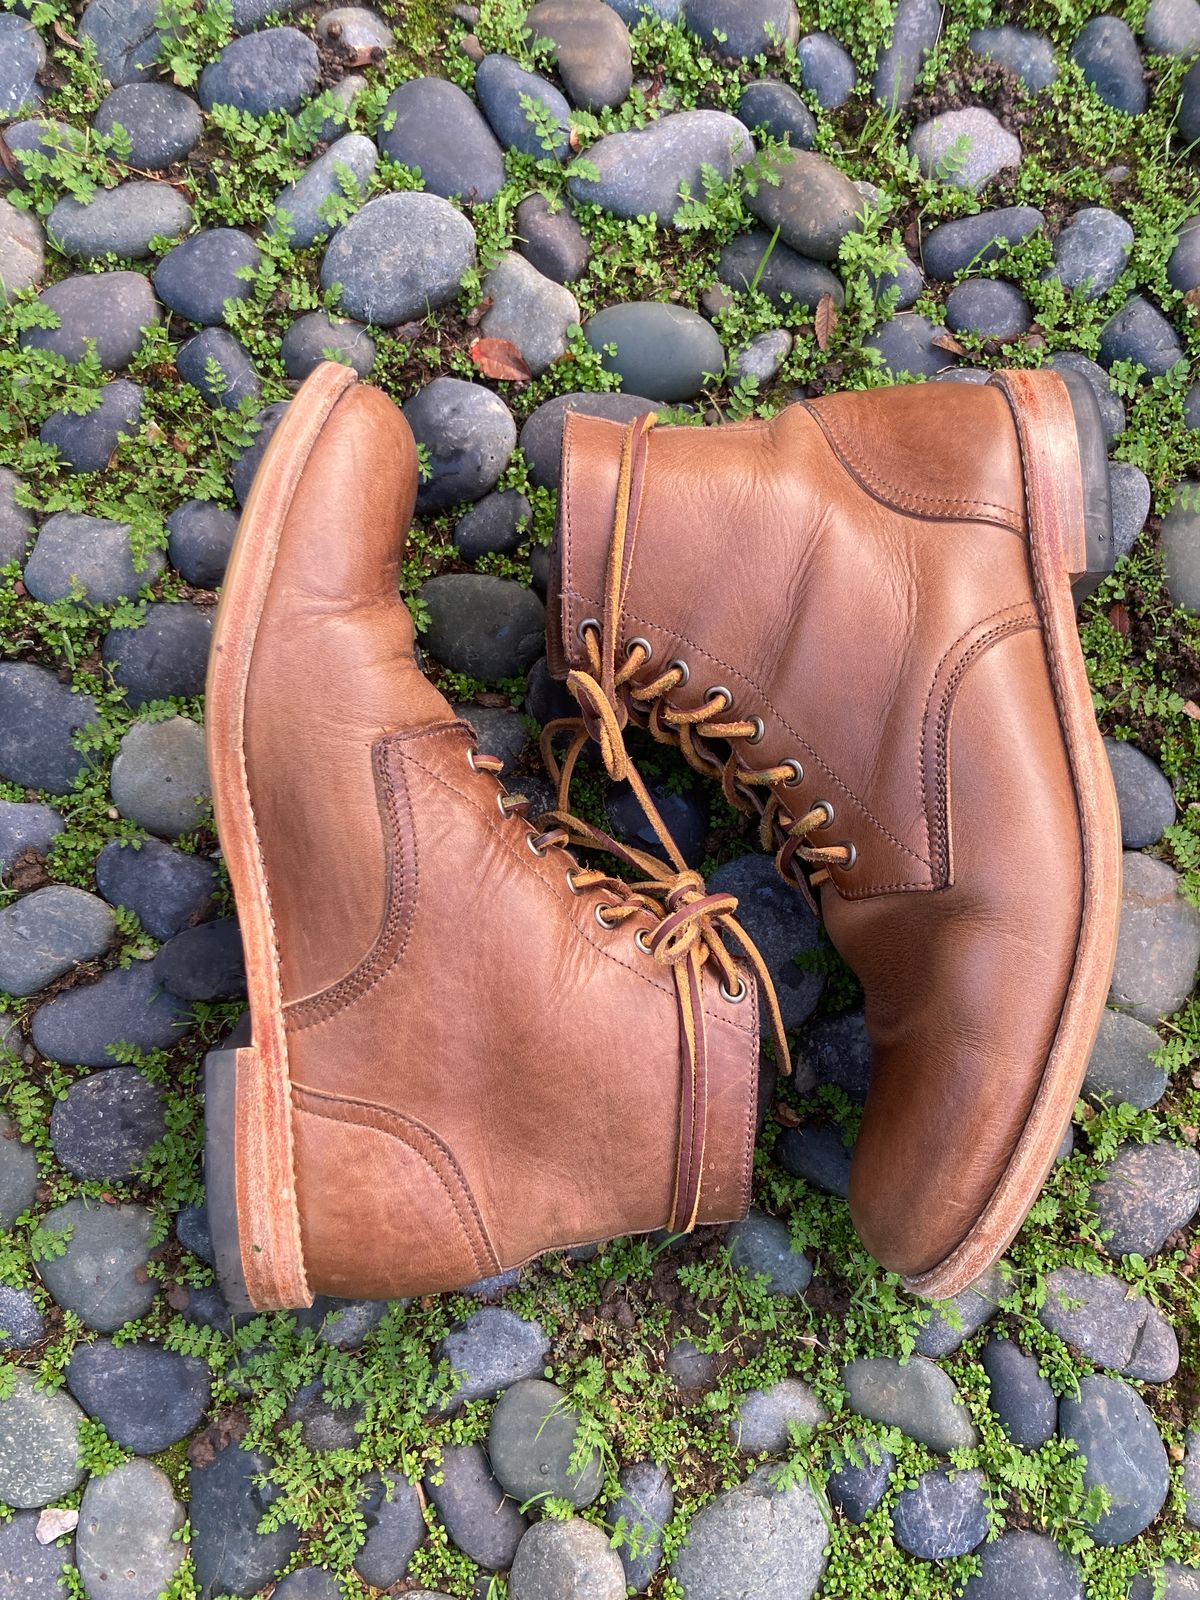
pixel 734 996
pixel 471 754
pixel 603 920
pixel 797 776
pixel 589 624
pixel 642 942
pixel 719 689
pixel 632 644
pixel 682 668
pixel 531 841
pixel 759 730
pixel 828 810
pixel 571 884
pixel 505 805
pixel 850 865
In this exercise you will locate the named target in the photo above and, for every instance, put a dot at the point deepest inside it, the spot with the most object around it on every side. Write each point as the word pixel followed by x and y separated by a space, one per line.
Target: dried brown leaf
pixel 825 320
pixel 500 358
pixel 947 341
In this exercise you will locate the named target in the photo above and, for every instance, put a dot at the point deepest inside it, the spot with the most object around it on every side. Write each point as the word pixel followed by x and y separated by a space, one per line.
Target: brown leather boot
pixel 858 616
pixel 466 1048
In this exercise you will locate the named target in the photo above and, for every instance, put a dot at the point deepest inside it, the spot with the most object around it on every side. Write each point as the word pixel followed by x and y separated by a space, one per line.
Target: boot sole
pixel 1071 550
pixel 253 1215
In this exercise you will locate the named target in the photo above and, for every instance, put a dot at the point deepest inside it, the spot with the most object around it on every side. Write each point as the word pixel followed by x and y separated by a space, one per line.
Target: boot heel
pixel 252 1215
pixel 220 1183
pixel 1098 556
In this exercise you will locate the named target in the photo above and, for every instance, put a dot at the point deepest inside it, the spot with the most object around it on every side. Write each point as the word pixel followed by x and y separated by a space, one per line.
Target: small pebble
pixel 234 378
pixel 46 933
pixel 1029 55
pixel 201 537
pixel 88 443
pixel 112 309
pixel 164 124
pixel 121 221
pixel 106 1124
pixel 965 149
pixel 1021 1398
pixel 1092 250
pixel 160 776
pixel 531 1442
pixel 1140 333
pixel 197 277
pixel 272 70
pixel 988 308
pixel 1147 1192
pixel 1107 54
pixel 101 1275
pixel 316 337
pixel 761 1246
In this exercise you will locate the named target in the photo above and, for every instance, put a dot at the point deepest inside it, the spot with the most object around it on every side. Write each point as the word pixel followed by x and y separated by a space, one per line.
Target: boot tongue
pixel 591 468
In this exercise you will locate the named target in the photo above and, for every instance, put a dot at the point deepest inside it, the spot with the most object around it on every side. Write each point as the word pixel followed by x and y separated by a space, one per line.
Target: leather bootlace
pixel 606 692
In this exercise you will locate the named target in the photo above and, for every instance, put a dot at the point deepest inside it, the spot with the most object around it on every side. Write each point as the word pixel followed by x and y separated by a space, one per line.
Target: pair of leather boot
pixel 469 1045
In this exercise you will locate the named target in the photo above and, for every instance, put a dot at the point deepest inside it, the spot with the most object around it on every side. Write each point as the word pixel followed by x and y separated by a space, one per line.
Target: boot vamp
pixel 332 669
pixel 965 984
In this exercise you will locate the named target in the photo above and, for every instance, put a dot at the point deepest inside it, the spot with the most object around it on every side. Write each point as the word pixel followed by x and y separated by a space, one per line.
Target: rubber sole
pixel 254 1217
pixel 1070 551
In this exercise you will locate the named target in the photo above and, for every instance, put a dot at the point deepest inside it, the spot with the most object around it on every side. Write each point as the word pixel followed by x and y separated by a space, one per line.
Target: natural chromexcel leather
pixel 856 573
pixel 479 1069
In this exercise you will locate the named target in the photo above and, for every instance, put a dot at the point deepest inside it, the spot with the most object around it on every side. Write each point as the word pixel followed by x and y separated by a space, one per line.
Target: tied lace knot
pixel 692 922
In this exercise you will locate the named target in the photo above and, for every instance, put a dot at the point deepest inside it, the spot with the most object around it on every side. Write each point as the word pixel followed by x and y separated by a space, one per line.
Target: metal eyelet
pixel 759 730
pixel 682 668
pixel 719 689
pixel 603 920
pixel 797 776
pixel 588 624
pixel 828 810
pixel 531 841
pixel 471 754
pixel 735 996
pixel 632 644
pixel 642 942
pixel 571 884
pixel 505 804
pixel 849 866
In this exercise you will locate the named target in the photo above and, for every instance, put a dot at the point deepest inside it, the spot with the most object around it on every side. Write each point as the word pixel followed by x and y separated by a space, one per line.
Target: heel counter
pixel 941 452
pixel 385 1209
